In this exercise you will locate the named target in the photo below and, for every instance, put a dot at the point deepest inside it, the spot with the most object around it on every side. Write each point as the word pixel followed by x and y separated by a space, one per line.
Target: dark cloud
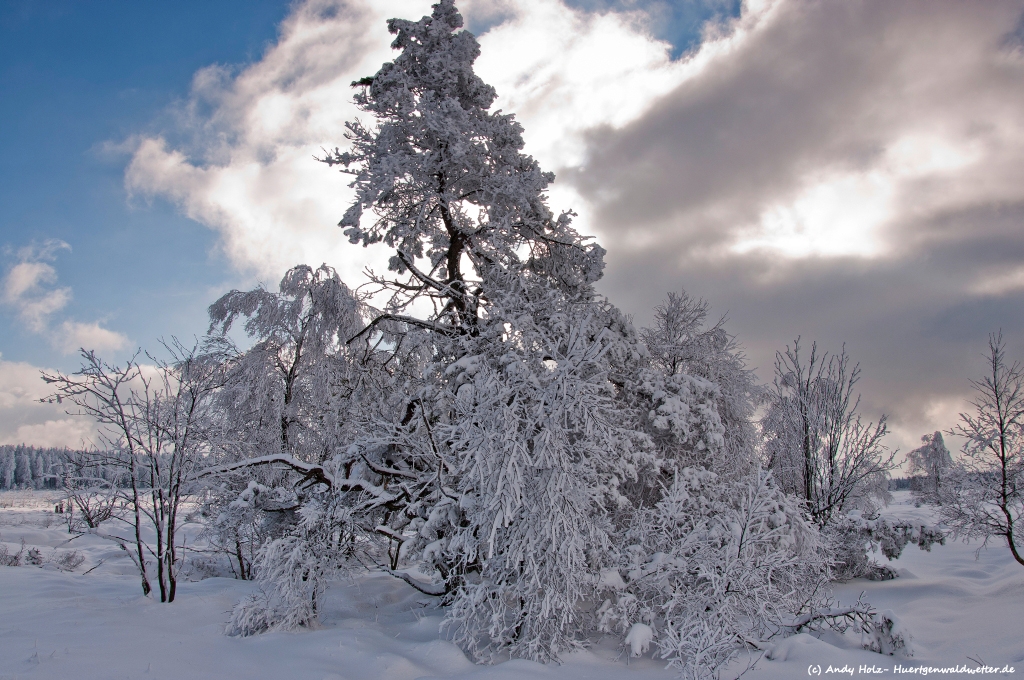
pixel 917 103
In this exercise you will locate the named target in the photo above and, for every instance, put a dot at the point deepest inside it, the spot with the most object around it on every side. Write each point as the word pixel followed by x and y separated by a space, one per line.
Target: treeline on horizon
pixel 32 467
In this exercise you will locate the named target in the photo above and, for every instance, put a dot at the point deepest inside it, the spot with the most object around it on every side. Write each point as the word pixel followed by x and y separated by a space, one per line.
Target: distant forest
pixel 30 467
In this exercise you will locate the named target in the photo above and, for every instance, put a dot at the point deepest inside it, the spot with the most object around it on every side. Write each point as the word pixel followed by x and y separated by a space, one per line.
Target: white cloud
pixel 564 72
pixel 73 335
pixel 246 168
pixel 25 278
pixel 24 420
pixel 73 433
pixel 30 289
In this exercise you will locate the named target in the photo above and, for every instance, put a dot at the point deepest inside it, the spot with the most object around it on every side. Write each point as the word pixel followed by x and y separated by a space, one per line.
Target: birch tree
pixel 815 440
pixel 984 493
pixel 286 397
pixel 153 428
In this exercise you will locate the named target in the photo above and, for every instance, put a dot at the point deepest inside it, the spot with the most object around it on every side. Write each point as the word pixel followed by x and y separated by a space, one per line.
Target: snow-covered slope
pixel 54 624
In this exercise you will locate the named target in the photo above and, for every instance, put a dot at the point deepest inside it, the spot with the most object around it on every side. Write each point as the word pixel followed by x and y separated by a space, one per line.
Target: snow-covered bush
pixel 880 632
pixel 66 560
pixel 716 566
pixel 294 570
pixel 538 447
pixel 290 394
pixel 8 559
pixel 853 539
pixel 239 527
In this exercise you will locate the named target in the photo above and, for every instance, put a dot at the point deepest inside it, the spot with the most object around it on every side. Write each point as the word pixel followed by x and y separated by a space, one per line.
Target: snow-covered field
pixel 961 610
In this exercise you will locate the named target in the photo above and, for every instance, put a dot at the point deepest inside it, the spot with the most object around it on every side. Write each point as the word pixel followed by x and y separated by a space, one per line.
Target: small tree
pixel 286 395
pixel 275 390
pixel 91 497
pixel 683 342
pixel 927 465
pixel 154 431
pixel 815 440
pixel 984 493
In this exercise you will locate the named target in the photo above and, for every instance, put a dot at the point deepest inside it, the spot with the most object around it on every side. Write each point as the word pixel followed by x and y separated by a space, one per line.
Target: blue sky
pixel 78 80
pixel 847 172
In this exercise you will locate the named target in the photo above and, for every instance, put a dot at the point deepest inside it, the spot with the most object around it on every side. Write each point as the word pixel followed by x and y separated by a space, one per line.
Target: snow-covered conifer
pixel 927 465
pixel 515 417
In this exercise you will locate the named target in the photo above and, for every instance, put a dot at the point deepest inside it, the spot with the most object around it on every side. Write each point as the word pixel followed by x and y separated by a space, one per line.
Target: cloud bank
pixel 848 172
pixel 845 171
pixel 24 420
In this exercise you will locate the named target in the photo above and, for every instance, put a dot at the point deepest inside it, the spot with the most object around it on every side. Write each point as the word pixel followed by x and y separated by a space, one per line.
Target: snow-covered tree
pixel 683 343
pixel 983 495
pixel 154 430
pixel 515 415
pixel 22 468
pixel 510 423
pixel 273 399
pixel 288 395
pixel 927 465
pixel 815 441
pixel 7 471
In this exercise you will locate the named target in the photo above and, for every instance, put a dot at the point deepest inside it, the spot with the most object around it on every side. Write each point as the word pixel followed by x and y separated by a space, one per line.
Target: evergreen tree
pixel 515 415
pixel 6 468
pixel 23 467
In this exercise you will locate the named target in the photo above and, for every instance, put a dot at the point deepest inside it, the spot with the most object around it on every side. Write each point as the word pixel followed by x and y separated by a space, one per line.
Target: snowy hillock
pixel 961 607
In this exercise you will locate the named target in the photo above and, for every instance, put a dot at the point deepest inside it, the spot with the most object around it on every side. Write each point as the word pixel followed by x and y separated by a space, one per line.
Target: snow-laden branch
pixel 851 612
pixel 425 588
pixel 315 474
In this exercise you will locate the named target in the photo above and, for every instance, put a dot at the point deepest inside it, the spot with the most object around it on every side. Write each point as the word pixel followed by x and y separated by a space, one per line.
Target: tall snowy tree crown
pixel 445 176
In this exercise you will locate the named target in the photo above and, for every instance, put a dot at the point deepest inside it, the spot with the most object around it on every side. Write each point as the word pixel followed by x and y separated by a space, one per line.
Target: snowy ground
pixel 55 624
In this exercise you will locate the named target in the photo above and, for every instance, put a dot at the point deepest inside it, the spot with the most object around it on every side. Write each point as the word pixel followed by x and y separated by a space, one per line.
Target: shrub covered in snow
pixel 718 565
pixel 857 536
